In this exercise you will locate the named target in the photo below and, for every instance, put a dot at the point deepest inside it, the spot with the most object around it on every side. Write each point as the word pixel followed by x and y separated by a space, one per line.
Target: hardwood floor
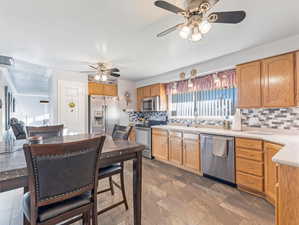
pixel 170 197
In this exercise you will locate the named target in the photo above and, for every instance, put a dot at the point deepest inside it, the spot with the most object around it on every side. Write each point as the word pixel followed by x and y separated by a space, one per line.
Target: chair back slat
pixel 61 171
pixel 121 132
pixel 45 132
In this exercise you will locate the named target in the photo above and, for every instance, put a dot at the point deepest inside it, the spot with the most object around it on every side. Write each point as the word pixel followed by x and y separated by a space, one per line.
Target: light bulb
pixel 185 32
pixel 97 77
pixel 204 27
pixel 196 35
pixel 104 77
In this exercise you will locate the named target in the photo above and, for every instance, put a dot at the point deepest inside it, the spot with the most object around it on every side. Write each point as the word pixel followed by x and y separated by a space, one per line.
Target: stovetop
pixel 151 123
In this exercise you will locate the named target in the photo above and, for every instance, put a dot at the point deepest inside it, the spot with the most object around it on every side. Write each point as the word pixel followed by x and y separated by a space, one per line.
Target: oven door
pixel 148 104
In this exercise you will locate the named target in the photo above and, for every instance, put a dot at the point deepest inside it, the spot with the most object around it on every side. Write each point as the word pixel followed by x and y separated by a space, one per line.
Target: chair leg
pixel 86 218
pixel 123 191
pixel 26 222
pixel 111 185
pixel 94 213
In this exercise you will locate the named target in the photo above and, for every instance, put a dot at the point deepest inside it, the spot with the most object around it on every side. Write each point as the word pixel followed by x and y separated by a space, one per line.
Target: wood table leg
pixel 25 190
pixel 137 188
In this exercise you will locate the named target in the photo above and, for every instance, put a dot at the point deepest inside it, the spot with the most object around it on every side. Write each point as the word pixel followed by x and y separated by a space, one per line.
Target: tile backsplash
pixel 134 116
pixel 280 118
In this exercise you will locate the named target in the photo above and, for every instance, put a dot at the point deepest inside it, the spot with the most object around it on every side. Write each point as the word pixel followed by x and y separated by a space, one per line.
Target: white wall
pixel 30 110
pixel 53 82
pixel 123 87
pixel 229 61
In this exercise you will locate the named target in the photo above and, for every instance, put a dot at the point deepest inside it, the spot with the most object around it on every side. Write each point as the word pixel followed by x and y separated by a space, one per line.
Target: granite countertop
pixel 288 155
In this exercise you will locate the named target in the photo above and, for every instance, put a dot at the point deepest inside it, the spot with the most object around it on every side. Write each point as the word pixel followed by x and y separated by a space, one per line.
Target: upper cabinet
pixel 278 78
pixel 102 89
pixel 249 85
pixel 152 91
pixel 268 83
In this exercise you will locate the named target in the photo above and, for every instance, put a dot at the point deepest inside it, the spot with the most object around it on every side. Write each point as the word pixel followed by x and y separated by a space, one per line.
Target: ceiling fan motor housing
pixel 192 4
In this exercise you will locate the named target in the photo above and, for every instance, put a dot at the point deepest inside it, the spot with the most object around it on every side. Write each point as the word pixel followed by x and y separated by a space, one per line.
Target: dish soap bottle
pixel 237 121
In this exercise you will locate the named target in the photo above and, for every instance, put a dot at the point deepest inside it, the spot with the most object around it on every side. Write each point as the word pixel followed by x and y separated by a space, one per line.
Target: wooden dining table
pixel 13 168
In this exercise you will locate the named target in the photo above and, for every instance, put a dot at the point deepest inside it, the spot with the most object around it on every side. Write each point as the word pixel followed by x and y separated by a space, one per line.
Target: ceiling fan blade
pixel 88 71
pixel 227 17
pixel 114 70
pixel 168 6
pixel 115 74
pixel 169 30
pixel 93 67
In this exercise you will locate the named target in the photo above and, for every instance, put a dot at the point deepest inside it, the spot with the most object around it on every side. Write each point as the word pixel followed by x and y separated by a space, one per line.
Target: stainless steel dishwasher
pixel 221 168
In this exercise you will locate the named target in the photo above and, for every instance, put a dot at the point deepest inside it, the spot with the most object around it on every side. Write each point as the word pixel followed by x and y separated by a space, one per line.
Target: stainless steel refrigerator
pixel 104 113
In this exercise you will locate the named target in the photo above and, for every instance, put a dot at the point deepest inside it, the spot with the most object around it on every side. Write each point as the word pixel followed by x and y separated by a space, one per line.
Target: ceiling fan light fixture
pixel 205 26
pixel 104 77
pixel 196 35
pixel 185 32
pixel 97 77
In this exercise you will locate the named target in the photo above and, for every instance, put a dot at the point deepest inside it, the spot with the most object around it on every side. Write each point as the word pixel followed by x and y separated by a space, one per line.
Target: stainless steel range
pixel 144 136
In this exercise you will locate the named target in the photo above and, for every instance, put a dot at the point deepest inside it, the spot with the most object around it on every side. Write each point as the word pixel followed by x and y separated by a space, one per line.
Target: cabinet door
pixel 110 90
pixel 297 78
pixel 270 170
pixel 160 144
pixel 139 98
pixel 155 90
pixel 95 88
pixel 175 147
pixel 249 85
pixel 147 91
pixel 191 152
pixel 278 81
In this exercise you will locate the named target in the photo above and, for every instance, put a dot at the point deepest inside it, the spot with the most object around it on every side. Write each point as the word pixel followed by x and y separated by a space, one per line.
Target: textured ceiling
pixel 68 34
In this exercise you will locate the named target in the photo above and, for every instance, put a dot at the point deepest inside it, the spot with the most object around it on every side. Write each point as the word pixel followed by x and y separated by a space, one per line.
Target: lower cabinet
pixel 191 152
pixel 287 195
pixel 250 165
pixel 183 149
pixel 176 147
pixel 160 144
pixel 270 170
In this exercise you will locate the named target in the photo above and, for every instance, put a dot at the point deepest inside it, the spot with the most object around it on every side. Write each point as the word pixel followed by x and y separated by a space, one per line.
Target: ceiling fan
pixel 197 21
pixel 103 71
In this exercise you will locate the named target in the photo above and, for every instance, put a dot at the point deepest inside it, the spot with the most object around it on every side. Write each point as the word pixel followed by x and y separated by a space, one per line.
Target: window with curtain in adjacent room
pixel 210 96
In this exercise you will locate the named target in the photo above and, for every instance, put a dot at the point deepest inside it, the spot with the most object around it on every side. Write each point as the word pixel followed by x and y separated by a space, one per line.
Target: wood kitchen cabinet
pixel 191 152
pixel 250 165
pixel 102 89
pixel 297 78
pixel 160 144
pixel 183 149
pixel 270 150
pixel 278 78
pixel 270 82
pixel 249 85
pixel 175 147
pixel 152 91
pixel 287 195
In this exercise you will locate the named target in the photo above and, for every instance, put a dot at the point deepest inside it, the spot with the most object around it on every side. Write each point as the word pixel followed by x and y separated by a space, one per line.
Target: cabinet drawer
pixel 160 131
pixel 175 134
pixel 249 166
pixel 250 181
pixel 249 154
pixel 249 143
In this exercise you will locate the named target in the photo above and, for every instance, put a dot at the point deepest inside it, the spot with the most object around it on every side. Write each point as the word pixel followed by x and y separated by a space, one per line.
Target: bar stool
pixel 119 132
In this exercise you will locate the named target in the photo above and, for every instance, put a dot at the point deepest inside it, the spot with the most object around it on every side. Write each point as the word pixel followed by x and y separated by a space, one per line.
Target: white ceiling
pixel 67 34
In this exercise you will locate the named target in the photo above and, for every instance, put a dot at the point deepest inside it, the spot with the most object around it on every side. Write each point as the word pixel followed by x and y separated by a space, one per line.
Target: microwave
pixel 151 104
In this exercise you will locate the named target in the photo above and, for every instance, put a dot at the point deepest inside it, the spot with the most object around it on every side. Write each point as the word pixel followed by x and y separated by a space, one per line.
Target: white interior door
pixel 72 105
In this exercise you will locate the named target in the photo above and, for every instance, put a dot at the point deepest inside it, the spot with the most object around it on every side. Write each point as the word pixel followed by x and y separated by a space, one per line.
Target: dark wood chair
pixel 119 132
pixel 63 181
pixel 45 131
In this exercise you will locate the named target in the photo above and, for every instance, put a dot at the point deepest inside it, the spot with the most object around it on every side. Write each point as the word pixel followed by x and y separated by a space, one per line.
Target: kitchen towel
pixel 220 146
